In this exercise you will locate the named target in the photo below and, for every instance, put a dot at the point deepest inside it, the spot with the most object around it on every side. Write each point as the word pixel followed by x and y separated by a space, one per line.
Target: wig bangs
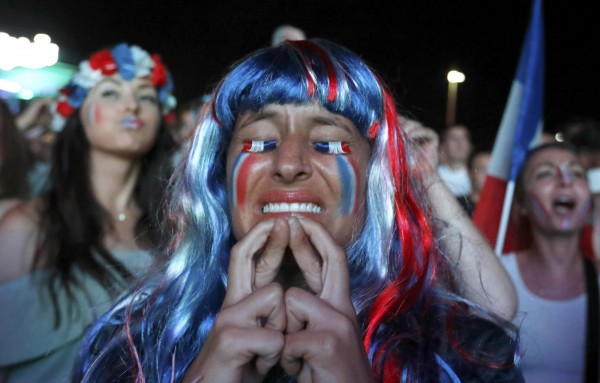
pixel 302 72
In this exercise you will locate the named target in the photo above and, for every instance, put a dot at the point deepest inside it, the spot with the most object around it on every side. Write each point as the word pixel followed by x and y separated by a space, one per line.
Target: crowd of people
pixel 292 225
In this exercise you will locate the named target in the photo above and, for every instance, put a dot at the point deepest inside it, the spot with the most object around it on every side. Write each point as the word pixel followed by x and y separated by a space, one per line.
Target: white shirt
pixel 552 333
pixel 457 181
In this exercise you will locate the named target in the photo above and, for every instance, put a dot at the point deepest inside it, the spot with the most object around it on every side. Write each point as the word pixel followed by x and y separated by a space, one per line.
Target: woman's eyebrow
pixel 322 120
pixel 145 86
pixel 254 117
pixel 109 80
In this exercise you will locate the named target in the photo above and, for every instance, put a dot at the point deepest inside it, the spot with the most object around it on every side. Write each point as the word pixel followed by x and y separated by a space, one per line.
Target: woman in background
pixel 552 277
pixel 65 256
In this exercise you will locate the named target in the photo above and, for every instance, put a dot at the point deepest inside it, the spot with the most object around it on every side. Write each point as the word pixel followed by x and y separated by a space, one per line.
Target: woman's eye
pixel 332 147
pixel 577 174
pixel 109 93
pixel 544 174
pixel 259 146
pixel 148 98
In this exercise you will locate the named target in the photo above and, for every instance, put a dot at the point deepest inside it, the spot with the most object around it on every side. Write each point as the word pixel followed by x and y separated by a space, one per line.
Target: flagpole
pixel 506 207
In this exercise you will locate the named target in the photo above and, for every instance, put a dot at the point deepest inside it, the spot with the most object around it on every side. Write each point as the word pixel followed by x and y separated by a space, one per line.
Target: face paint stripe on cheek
pixel 97 114
pixel 348 185
pixel 356 184
pixel 239 178
pixel 583 212
pixel 538 208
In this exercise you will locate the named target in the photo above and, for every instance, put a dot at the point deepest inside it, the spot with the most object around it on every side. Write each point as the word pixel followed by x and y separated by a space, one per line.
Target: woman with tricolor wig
pixel 67 256
pixel 307 249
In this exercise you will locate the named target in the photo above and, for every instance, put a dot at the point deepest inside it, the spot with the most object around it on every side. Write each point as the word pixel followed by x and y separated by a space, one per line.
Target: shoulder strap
pixel 593 321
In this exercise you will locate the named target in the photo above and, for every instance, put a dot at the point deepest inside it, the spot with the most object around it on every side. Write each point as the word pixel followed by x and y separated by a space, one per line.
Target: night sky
pixel 412 44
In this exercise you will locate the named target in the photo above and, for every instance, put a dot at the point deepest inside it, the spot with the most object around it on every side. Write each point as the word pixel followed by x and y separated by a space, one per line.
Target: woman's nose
pixel 130 101
pixel 564 175
pixel 292 160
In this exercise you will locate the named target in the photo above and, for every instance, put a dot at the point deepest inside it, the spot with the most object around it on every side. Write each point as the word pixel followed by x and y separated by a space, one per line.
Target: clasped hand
pixel 312 335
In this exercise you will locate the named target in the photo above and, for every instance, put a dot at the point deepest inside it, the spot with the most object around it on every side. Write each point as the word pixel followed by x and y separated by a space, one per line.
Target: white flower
pixel 169 104
pixel 87 77
pixel 142 61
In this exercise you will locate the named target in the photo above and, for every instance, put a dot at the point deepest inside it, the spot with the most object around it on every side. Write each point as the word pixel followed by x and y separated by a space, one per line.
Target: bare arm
pixel 36 113
pixel 18 238
pixel 482 277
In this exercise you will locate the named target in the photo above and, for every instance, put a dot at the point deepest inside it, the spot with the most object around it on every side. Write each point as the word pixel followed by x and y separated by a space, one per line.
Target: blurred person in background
pixel 185 122
pixel 556 283
pixel 66 255
pixel 584 134
pixel 35 126
pixel 286 32
pixel 455 148
pixel 478 164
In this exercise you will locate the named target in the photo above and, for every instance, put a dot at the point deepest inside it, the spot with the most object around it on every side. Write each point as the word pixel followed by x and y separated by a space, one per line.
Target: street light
pixel 454 78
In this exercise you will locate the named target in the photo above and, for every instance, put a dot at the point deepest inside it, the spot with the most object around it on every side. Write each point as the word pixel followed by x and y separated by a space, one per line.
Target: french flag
pixel 520 129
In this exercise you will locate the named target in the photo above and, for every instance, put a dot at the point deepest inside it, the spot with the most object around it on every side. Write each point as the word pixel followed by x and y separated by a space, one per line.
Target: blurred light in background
pixel 30 68
pixel 24 53
pixel 560 137
pixel 455 77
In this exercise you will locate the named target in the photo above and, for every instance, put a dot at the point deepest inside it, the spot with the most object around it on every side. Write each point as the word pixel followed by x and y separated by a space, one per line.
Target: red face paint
pixel 239 178
pixel 97 114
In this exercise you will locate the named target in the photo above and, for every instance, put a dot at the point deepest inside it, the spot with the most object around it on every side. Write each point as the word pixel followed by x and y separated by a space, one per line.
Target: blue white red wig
pixel 156 332
pixel 129 61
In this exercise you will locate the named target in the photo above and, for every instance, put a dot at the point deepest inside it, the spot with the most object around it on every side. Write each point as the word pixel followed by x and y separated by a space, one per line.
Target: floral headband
pixel 130 61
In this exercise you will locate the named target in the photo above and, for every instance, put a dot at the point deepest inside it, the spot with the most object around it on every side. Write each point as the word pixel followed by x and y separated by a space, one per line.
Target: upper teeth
pixel 291 207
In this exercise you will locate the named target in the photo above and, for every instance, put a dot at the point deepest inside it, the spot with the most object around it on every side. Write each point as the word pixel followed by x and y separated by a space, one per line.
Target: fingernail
pixel 293 220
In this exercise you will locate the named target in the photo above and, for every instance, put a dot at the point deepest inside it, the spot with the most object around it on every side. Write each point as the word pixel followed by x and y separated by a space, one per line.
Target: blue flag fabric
pixel 520 128
pixel 531 75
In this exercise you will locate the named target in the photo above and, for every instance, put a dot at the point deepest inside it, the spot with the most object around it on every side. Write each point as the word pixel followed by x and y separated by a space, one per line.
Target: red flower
pixel 64 108
pixel 65 91
pixel 103 61
pixel 159 72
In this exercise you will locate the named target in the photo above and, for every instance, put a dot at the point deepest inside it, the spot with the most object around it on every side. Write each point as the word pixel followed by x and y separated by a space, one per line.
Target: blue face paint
pixel 348 184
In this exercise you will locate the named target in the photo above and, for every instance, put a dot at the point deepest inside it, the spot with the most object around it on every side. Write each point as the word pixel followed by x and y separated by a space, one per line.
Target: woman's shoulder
pixel 7 204
pixel 18 239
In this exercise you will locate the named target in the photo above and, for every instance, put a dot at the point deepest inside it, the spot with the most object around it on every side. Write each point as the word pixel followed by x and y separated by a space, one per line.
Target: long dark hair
pixel 15 160
pixel 73 223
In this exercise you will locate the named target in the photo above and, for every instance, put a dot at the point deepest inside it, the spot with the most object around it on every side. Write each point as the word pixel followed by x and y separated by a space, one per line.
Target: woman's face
pixel 556 196
pixel 121 117
pixel 298 159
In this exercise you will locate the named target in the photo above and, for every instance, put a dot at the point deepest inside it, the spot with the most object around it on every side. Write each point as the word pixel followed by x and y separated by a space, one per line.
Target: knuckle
pixel 227 338
pixel 329 343
pixel 292 294
pixel 273 292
